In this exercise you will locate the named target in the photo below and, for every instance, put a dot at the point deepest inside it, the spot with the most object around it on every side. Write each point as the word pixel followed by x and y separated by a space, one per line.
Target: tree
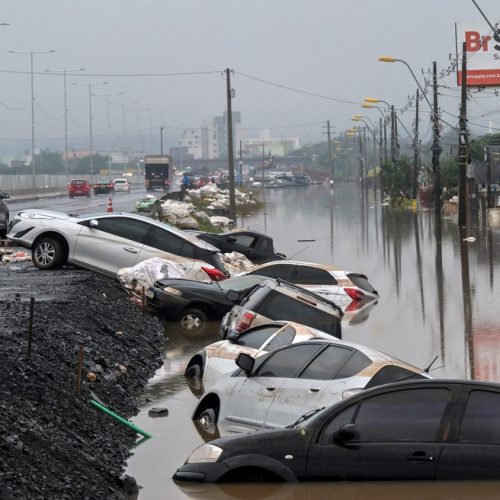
pixel 397 177
pixel 49 162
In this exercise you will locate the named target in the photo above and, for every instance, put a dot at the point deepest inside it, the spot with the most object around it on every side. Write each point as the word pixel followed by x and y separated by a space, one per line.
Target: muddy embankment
pixel 53 443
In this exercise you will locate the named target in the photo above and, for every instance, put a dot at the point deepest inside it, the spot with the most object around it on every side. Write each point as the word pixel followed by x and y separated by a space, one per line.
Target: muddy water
pixel 439 297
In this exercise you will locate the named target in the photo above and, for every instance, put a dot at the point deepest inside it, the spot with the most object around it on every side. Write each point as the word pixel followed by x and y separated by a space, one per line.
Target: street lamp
pixel 64 72
pixel 31 54
pixel 90 85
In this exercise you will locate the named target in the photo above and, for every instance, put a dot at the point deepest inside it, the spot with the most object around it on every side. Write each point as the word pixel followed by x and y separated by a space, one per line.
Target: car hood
pixel 183 283
pixel 46 214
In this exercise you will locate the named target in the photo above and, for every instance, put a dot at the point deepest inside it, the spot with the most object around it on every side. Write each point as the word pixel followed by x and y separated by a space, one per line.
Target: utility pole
pixel 415 152
pixel 436 147
pixel 241 163
pixel 489 201
pixel 361 169
pixel 385 140
pixel 161 140
pixel 91 144
pixel 463 146
pixel 396 138
pixel 230 154
pixel 393 137
pixel 330 159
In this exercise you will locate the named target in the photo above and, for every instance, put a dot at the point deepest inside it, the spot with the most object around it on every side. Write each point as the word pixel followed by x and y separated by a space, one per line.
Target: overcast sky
pixel 327 47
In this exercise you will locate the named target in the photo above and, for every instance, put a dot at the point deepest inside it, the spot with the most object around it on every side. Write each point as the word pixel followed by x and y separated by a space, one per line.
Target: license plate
pixel 150 293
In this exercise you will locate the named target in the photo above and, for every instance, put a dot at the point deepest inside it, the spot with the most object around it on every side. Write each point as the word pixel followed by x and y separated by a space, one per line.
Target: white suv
pixel 121 185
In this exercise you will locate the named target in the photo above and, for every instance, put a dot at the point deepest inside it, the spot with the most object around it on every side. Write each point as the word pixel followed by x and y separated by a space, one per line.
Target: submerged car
pixel 276 300
pixel 341 287
pixel 418 430
pixel 256 247
pixel 219 358
pixel 194 304
pixel 276 389
pixel 4 215
pixel 107 242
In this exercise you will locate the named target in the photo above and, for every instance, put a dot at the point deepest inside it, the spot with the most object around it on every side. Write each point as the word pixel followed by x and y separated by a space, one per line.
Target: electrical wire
pixel 112 75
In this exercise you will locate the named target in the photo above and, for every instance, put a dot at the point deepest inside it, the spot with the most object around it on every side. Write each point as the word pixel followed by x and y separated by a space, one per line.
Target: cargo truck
pixel 157 172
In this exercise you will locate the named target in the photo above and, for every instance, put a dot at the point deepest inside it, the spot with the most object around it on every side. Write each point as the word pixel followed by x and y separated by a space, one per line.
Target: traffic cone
pixel 109 208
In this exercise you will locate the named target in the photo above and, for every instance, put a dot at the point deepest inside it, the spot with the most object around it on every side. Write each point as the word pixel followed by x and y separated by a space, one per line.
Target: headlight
pixel 172 291
pixel 204 453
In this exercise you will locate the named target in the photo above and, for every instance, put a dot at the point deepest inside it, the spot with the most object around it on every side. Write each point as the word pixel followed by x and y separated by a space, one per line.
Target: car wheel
pixel 48 253
pixel 208 420
pixel 194 371
pixel 193 321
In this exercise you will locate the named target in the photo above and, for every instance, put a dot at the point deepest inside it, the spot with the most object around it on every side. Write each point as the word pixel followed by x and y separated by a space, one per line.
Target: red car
pixel 78 187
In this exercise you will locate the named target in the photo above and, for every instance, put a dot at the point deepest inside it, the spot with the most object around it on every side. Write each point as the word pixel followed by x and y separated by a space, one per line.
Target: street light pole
pixel 161 140
pixel 31 54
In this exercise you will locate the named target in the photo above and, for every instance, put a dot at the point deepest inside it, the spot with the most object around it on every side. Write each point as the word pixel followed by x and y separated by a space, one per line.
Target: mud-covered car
pixel 276 300
pixel 4 215
pixel 194 304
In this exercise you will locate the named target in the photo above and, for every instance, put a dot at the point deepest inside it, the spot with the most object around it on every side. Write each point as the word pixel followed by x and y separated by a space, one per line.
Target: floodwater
pixel 439 300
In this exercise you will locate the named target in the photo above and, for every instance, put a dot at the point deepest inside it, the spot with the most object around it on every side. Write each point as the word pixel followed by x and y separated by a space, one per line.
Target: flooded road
pixel 439 298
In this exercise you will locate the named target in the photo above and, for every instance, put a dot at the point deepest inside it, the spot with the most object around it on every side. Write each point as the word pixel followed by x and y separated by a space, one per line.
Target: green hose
pixel 119 419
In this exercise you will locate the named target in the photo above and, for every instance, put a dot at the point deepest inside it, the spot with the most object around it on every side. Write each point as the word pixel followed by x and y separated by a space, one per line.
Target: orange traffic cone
pixel 109 208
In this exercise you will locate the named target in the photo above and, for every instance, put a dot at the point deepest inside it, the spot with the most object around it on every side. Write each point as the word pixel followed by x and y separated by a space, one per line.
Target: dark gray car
pixel 4 215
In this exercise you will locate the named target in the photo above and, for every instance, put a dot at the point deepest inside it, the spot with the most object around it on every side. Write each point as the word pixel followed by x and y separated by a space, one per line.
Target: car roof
pixel 326 267
pixel 249 231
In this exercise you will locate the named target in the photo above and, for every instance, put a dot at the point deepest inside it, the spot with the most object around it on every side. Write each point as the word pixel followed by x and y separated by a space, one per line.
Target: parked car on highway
pixel 4 215
pixel 341 287
pixel 195 304
pixel 107 242
pixel 121 185
pixel 219 358
pixel 276 389
pixel 78 187
pixel 278 300
pixel 256 247
pixel 418 430
pixel 103 188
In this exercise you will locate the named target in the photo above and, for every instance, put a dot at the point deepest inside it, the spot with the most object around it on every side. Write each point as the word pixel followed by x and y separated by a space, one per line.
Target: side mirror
pixel 233 296
pixel 93 223
pixel 346 433
pixel 245 362
pixel 4 196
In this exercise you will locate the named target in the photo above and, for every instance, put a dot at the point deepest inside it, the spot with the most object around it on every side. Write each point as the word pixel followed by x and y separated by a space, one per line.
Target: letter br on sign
pixel 483 54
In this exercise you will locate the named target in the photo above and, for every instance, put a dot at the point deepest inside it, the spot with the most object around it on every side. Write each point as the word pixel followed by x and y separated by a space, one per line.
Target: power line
pixel 112 75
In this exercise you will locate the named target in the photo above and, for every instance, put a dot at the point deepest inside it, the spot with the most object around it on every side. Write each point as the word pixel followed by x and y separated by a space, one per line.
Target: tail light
pixel 354 293
pixel 147 182
pixel 214 274
pixel 167 182
pixel 245 322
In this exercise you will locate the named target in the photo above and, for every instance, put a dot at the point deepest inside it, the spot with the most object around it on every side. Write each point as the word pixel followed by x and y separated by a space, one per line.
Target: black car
pixel 256 247
pixel 4 215
pixel 426 429
pixel 194 304
pixel 104 188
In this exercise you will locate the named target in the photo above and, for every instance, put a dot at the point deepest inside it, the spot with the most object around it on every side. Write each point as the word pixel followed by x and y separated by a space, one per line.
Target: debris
pixel 470 239
pixel 236 263
pixel 224 223
pixel 157 412
pixel 91 376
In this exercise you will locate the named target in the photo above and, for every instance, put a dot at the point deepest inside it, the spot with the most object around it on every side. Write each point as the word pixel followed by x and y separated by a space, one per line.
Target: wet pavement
pixel 438 298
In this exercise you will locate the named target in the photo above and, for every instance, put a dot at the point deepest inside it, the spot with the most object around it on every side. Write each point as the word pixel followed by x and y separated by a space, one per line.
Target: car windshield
pixel 240 283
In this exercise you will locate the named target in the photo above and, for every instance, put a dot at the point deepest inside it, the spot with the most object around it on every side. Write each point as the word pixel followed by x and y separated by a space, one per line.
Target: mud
pixel 53 443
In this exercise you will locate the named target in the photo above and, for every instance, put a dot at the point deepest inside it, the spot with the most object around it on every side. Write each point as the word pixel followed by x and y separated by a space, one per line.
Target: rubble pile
pixel 54 444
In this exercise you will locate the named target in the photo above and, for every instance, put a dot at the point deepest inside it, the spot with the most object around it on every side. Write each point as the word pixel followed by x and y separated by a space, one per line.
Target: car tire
pixel 208 421
pixel 48 253
pixel 193 321
pixel 194 371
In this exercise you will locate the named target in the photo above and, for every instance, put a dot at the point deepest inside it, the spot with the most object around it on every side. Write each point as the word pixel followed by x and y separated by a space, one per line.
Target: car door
pixel 111 244
pixel 475 453
pixel 250 403
pixel 317 280
pixel 305 392
pixel 398 436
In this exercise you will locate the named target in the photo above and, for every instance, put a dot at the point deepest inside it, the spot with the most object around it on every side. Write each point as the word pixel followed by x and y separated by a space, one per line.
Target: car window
pixel 357 362
pixel 131 229
pixel 480 423
pixel 287 362
pixel 278 306
pixel 361 282
pixel 166 242
pixel 244 240
pixel 305 275
pixel 391 373
pixel 240 283
pixel 282 338
pixel 406 415
pixel 257 336
pixel 344 417
pixel 283 271
pixel 327 364
pixel 78 183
